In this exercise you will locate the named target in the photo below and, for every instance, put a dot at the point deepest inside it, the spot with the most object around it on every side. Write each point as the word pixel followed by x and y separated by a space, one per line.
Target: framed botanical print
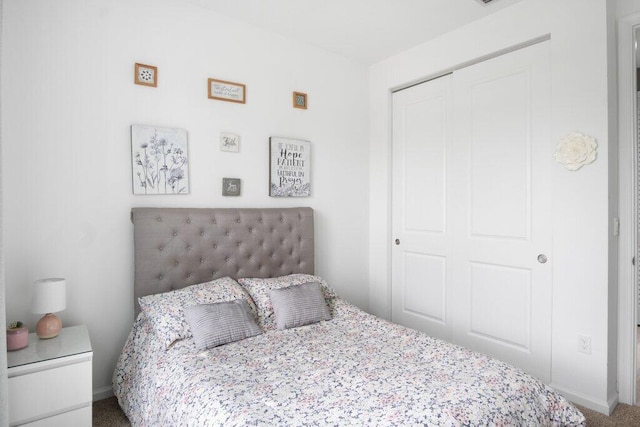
pixel 159 160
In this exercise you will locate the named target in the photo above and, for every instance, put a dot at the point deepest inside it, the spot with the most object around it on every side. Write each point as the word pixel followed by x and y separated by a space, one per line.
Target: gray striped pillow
pixel 299 305
pixel 220 323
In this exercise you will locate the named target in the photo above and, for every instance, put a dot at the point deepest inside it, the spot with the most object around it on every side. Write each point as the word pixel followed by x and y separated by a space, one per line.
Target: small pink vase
pixel 17 338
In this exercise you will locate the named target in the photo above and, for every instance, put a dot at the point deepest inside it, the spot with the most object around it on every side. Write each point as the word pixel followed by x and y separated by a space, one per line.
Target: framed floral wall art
pixel 290 167
pixel 145 75
pixel 160 160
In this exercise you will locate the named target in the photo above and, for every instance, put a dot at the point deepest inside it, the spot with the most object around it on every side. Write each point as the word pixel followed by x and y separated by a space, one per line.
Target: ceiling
pixel 367 31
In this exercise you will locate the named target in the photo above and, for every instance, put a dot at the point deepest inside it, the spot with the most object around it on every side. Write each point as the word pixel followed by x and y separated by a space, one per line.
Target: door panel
pixel 472 208
pixel 425 290
pixel 420 193
pixel 500 292
pixel 424 163
pixel 499 155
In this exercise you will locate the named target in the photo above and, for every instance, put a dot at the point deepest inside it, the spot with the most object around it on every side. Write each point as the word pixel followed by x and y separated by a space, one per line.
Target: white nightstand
pixel 50 381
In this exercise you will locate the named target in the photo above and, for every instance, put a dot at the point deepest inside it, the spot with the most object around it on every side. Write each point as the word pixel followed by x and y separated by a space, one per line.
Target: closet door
pixel 503 233
pixel 421 258
pixel 472 209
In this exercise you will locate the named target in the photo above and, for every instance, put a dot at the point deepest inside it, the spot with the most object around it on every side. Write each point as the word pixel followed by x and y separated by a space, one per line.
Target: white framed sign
pixel 289 167
pixel 229 142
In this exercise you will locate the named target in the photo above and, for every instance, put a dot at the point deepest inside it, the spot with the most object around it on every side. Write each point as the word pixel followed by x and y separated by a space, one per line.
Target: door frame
pixel 628 210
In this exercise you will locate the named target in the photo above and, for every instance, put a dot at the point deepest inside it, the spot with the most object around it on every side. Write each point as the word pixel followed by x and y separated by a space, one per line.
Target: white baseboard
pixel 102 393
pixel 602 406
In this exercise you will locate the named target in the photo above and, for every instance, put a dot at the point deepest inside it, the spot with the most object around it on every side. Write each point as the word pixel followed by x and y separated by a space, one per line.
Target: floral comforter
pixel 353 370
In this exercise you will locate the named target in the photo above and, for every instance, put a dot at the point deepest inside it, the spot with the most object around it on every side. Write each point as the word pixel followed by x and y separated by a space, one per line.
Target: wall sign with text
pixel 290 167
pixel 227 91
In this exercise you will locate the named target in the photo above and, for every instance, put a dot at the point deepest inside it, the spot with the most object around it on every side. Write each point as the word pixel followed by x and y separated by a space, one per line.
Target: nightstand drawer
pixel 79 417
pixel 49 392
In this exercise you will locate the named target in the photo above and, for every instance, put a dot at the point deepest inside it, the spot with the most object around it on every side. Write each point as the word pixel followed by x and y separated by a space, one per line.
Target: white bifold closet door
pixel 472 208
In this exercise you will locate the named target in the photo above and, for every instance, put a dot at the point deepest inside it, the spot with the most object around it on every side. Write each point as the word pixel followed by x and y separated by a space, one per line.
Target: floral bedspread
pixel 353 370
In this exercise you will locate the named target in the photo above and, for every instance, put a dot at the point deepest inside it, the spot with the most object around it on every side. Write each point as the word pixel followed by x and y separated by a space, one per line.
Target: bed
pixel 233 328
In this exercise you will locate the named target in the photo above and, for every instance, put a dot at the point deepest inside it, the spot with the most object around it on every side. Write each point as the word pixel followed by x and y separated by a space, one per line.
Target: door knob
pixel 397 241
pixel 542 258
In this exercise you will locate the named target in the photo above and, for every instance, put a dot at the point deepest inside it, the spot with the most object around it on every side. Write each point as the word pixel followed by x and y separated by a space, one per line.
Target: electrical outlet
pixel 584 344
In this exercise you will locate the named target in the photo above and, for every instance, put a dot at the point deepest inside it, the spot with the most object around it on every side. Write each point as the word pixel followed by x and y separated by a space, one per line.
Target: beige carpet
pixel 107 413
pixel 623 415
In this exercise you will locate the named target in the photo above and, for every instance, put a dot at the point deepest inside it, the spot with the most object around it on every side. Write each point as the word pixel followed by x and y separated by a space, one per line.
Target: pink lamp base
pixel 48 326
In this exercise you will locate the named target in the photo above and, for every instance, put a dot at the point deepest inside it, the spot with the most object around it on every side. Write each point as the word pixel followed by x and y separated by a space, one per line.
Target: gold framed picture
pixel 300 100
pixel 223 90
pixel 146 75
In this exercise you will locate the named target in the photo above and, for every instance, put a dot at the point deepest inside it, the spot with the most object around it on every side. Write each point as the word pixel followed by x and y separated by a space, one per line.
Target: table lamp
pixel 49 296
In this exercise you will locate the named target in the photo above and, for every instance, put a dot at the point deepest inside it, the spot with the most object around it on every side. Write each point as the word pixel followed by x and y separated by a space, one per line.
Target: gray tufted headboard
pixel 178 247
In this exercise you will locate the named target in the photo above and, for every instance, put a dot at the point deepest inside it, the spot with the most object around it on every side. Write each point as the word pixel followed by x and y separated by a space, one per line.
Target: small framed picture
pixel 230 187
pixel 300 100
pixel 146 75
pixel 229 142
pixel 227 91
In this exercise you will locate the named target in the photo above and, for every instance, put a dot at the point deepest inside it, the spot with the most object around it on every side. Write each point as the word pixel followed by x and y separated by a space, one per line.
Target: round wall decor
pixel 576 150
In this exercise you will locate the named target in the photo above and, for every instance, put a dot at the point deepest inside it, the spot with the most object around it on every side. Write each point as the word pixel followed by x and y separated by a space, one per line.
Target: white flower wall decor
pixel 576 150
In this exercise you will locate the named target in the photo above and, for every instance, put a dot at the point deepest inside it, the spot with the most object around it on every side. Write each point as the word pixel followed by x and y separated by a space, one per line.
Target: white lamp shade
pixel 49 296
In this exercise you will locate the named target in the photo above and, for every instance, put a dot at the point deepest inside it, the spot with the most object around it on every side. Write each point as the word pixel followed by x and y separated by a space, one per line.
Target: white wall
pixel 626 7
pixel 613 206
pixel 4 395
pixel 581 212
pixel 68 100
